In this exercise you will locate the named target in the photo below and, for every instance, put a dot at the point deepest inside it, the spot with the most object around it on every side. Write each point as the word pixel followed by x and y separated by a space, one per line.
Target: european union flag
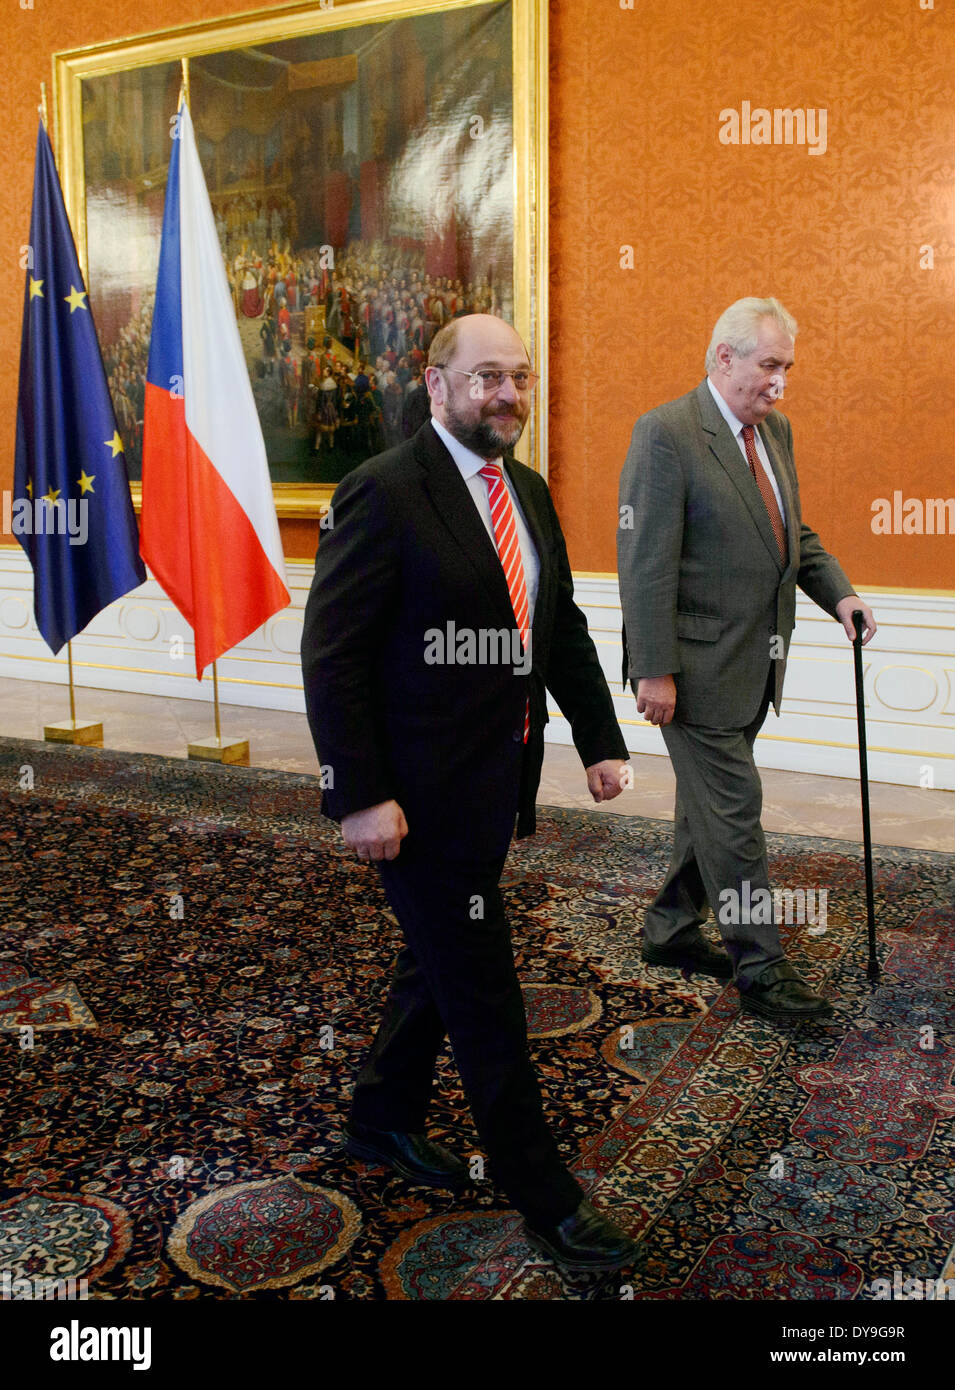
pixel 71 509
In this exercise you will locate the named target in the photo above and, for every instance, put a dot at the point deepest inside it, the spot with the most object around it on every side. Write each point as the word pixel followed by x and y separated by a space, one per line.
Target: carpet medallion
pixel 53 1235
pixel 263 1235
pixel 553 1010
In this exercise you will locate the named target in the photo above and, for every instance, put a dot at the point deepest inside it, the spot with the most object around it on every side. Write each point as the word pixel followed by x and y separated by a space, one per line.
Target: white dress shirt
pixel 470 465
pixel 737 427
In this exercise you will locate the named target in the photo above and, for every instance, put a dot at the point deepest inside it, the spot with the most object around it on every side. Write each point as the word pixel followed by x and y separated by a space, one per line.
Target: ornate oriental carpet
pixel 191 970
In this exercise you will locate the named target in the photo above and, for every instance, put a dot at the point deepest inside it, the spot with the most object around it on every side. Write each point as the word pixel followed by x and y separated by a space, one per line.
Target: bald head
pixel 488 421
pixel 477 332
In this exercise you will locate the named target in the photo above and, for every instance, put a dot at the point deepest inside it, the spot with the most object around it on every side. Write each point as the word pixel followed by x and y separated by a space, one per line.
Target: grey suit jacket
pixel 702 586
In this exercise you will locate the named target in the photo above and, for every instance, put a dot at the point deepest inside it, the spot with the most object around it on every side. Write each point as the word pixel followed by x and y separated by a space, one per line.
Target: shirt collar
pixel 734 424
pixel 468 462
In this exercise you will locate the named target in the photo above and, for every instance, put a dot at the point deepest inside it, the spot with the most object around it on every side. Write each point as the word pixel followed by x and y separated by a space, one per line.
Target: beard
pixel 482 437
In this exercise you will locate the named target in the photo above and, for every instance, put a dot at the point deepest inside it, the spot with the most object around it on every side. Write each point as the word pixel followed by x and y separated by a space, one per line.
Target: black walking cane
pixel 872 969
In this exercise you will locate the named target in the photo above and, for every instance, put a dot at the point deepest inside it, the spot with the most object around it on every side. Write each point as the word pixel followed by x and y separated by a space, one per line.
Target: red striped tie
pixel 509 549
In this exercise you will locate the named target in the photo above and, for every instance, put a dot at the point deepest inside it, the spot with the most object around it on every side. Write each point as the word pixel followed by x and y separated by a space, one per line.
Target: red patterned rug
pixel 190 971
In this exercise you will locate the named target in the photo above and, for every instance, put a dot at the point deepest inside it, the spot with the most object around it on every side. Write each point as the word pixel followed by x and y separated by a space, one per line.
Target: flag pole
pixel 89 733
pixel 191 207
pixel 69 660
pixel 215 701
pixel 213 749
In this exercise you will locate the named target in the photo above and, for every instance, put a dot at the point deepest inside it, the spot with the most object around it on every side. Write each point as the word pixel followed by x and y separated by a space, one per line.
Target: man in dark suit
pixel 711 545
pixel 442 606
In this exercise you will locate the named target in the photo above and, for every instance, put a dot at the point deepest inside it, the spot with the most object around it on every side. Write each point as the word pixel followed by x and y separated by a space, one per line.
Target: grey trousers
pixel 718 844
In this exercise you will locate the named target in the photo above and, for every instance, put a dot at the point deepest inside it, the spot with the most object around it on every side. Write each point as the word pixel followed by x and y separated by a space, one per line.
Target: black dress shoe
pixel 696 954
pixel 585 1240
pixel 782 995
pixel 412 1155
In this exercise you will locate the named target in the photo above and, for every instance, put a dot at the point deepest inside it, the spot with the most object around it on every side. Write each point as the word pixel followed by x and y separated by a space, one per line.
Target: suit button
pixel 518 735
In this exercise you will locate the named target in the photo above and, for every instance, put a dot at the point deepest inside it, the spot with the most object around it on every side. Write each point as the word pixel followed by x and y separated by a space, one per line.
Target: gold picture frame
pixel 306 31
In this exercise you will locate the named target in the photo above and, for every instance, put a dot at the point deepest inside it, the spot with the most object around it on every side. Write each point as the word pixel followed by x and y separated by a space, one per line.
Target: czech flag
pixel 208 529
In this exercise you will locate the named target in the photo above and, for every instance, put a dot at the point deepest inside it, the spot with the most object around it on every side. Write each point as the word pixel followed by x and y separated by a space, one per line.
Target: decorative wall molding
pixel 909 682
pixel 909 672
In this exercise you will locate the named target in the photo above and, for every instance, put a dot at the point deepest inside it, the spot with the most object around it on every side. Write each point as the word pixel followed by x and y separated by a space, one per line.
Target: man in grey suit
pixel 711 546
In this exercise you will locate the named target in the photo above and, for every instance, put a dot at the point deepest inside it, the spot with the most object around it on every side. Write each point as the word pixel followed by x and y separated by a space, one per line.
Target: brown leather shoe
pixel 695 954
pixel 585 1240
pixel 780 994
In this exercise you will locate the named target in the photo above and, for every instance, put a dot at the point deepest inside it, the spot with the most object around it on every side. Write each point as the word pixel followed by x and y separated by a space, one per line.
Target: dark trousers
pixel 718 842
pixel 456 977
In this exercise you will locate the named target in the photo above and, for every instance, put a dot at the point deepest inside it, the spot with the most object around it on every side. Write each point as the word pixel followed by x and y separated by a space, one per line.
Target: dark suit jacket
pixel 702 585
pixel 408 553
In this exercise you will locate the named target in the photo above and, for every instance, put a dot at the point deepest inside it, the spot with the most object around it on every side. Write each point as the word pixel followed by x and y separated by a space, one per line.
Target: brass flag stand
pixel 214 750
pixel 87 732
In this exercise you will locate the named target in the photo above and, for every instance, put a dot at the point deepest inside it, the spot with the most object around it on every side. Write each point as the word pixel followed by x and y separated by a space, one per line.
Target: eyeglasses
pixel 486 382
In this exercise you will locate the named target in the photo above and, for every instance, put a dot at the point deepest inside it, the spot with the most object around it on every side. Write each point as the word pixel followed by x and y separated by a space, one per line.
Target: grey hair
pixel 738 326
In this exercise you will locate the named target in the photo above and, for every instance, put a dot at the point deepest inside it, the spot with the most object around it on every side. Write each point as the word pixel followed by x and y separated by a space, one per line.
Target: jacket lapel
pixel 456 511
pixel 726 451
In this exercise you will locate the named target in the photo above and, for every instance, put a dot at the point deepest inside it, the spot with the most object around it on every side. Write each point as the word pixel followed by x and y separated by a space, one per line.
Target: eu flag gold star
pixel 36 288
pixel 85 481
pixel 52 495
pixel 116 444
pixel 75 299
pixel 30 486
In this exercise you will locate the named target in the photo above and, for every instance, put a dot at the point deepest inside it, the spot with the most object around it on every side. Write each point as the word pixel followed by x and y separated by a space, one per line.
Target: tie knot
pixel 491 472
pixel 748 433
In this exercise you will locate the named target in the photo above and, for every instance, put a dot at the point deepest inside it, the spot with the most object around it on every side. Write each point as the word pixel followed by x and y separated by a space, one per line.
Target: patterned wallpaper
pixel 839 230
pixel 852 229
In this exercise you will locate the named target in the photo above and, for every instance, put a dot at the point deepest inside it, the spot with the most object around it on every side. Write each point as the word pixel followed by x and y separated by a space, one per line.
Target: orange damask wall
pixel 636 160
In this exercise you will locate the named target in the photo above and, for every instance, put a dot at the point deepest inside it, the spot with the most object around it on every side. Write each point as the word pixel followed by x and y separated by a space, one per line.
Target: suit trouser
pixel 718 844
pixel 456 977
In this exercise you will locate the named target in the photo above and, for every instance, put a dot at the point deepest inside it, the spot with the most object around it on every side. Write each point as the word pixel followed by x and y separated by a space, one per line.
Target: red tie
pixel 765 490
pixel 509 549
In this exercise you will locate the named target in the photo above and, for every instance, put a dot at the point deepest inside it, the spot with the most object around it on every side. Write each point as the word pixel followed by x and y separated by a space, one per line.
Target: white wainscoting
pixel 909 672
pixel 909 683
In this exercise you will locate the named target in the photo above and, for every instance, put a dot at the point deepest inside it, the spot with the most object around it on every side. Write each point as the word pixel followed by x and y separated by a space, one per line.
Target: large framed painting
pixel 375 168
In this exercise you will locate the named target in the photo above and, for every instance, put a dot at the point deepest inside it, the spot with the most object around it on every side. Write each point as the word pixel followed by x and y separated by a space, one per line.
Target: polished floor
pixel 796 803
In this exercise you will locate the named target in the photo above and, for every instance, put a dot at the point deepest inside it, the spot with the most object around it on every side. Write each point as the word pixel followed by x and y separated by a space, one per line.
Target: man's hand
pixel 376 832
pixel 608 779
pixel 656 698
pixel 845 608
